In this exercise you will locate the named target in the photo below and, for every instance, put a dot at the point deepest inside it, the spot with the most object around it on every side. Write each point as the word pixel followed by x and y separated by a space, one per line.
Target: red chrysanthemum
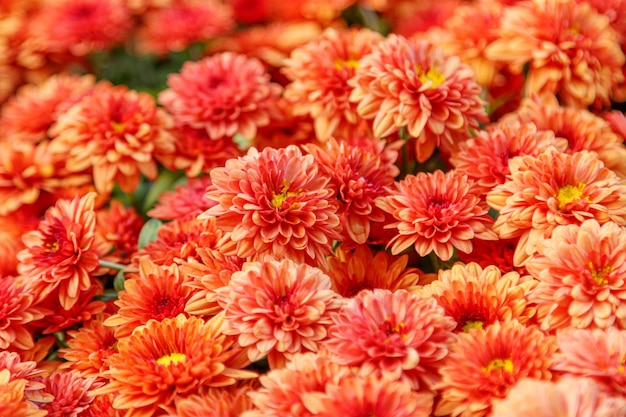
pixel 119 227
pixel 85 308
pixel 186 201
pixel 493 252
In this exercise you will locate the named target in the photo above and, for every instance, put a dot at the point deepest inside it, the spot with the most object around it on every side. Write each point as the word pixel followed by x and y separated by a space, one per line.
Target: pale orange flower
pixel 554 189
pixel 411 84
pixel 319 72
pixel 184 201
pixel 12 398
pixel 274 202
pixel 16 312
pixel 226 94
pixel 71 394
pixel 436 212
pixel 216 402
pixel 484 364
pixel 165 359
pixel 570 50
pixel 116 131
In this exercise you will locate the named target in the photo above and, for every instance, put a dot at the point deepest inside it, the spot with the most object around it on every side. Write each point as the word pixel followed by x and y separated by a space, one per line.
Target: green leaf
pixel 149 232
pixel 164 182
pixel 118 281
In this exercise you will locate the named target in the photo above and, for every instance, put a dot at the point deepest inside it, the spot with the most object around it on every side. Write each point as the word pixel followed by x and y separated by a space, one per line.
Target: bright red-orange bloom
pixel 411 84
pixel 184 201
pixel 62 253
pixel 16 311
pixel 164 359
pixel 493 252
pixel 116 131
pixel 554 189
pixel 216 402
pixel 119 227
pixel 71 394
pixel 85 308
pixel 225 94
pixel 274 202
pixel 485 364
pixel 436 212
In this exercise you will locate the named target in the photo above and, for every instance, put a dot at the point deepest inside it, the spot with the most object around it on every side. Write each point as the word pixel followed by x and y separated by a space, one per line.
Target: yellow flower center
pixel 117 126
pixel 390 329
pixel 51 247
pixel 472 325
pixel 620 367
pixel 278 199
pixel 570 193
pixel 499 365
pixel 346 63
pixel 598 274
pixel 432 76
pixel 574 29
pixel 172 358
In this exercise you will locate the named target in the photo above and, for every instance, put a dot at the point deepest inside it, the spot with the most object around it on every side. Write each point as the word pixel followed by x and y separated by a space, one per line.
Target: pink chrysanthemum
pixel 484 364
pixel 226 94
pixel 21 369
pixel 569 47
pixel 319 72
pixel 16 312
pixel 184 202
pixel 436 212
pixel 274 202
pixel 400 336
pixel 410 84
pixel 278 308
pixel 71 394
pixel 554 189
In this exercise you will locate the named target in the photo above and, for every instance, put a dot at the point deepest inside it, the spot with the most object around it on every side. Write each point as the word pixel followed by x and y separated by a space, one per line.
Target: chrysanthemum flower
pixel 493 252
pixel 274 202
pixel 156 292
pixel 62 253
pixel 319 72
pixel 12 227
pixel 102 406
pixel 400 336
pixel 119 227
pixel 16 311
pixel 410 18
pixel 485 364
pixel 278 308
pixel 436 212
pixel 411 84
pixel 71 394
pixel 568 397
pixel 24 370
pixel 485 157
pixel 225 94
pixel 285 128
pixel 179 24
pixel 581 271
pixel 85 309
pixel 116 131
pixel 216 402
pixel 185 201
pixel 617 121
pixel 554 189
pixel 164 359
pixel 12 398
pixel 571 50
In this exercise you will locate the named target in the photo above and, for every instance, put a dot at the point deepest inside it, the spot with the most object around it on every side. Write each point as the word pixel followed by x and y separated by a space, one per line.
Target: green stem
pixel 112 265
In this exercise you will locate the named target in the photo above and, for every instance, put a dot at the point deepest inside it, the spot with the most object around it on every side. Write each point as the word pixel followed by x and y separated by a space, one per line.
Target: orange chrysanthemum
pixel 319 72
pixel 16 312
pixel 216 402
pixel 484 364
pixel 400 336
pixel 85 308
pixel 119 227
pixel 185 201
pixel 62 253
pixel 436 212
pixel 71 394
pixel 12 398
pixel 571 50
pixel 278 308
pixel 554 189
pixel 285 128
pixel 498 252
pixel 12 227
pixel 274 202
pixel 226 94
pixel 116 131
pixel 410 84
pixel 165 359
pixel 581 271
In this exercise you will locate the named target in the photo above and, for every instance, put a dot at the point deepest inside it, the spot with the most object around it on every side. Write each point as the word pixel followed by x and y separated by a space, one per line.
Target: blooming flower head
pixel 225 94
pixel 285 128
pixel 412 84
pixel 216 402
pixel 12 398
pixel 581 271
pixel 71 394
pixel 119 227
pixel 571 49
pixel 164 359
pixel 278 308
pixel 274 202
pixel 117 132
pixel 401 336
pixel 493 252
pixel 16 311
pixel 436 212
pixel 184 201
pixel 319 72
pixel 85 309
pixel 484 364
pixel 410 18
pixel 554 189
pixel 12 227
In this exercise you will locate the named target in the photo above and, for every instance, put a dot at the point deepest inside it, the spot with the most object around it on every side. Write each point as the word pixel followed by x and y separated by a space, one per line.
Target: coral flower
pixel 319 72
pixel 285 128
pixel 216 402
pixel 400 336
pixel 493 252
pixel 226 94
pixel 571 50
pixel 278 308
pixel 164 359
pixel 16 311
pixel 71 394
pixel 411 84
pixel 119 227
pixel 274 202
pixel 12 398
pixel 581 271
pixel 62 252
pixel 554 189
pixel 85 308
pixel 19 369
pixel 569 397
pixel 436 212
pixel 484 364
pixel 116 131
pixel 12 227
pixel 185 201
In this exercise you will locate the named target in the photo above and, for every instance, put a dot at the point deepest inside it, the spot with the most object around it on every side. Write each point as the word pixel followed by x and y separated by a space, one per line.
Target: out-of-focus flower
pixel 185 201
pixel 12 227
pixel 226 94
pixel 411 84
pixel 581 271
pixel 554 189
pixel 216 402
pixel 16 311
pixel 571 50
pixel 400 336
pixel 411 18
pixel 119 227
pixel 71 394
pixel 436 212
pixel 274 202
pixel 617 121
pixel 485 364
